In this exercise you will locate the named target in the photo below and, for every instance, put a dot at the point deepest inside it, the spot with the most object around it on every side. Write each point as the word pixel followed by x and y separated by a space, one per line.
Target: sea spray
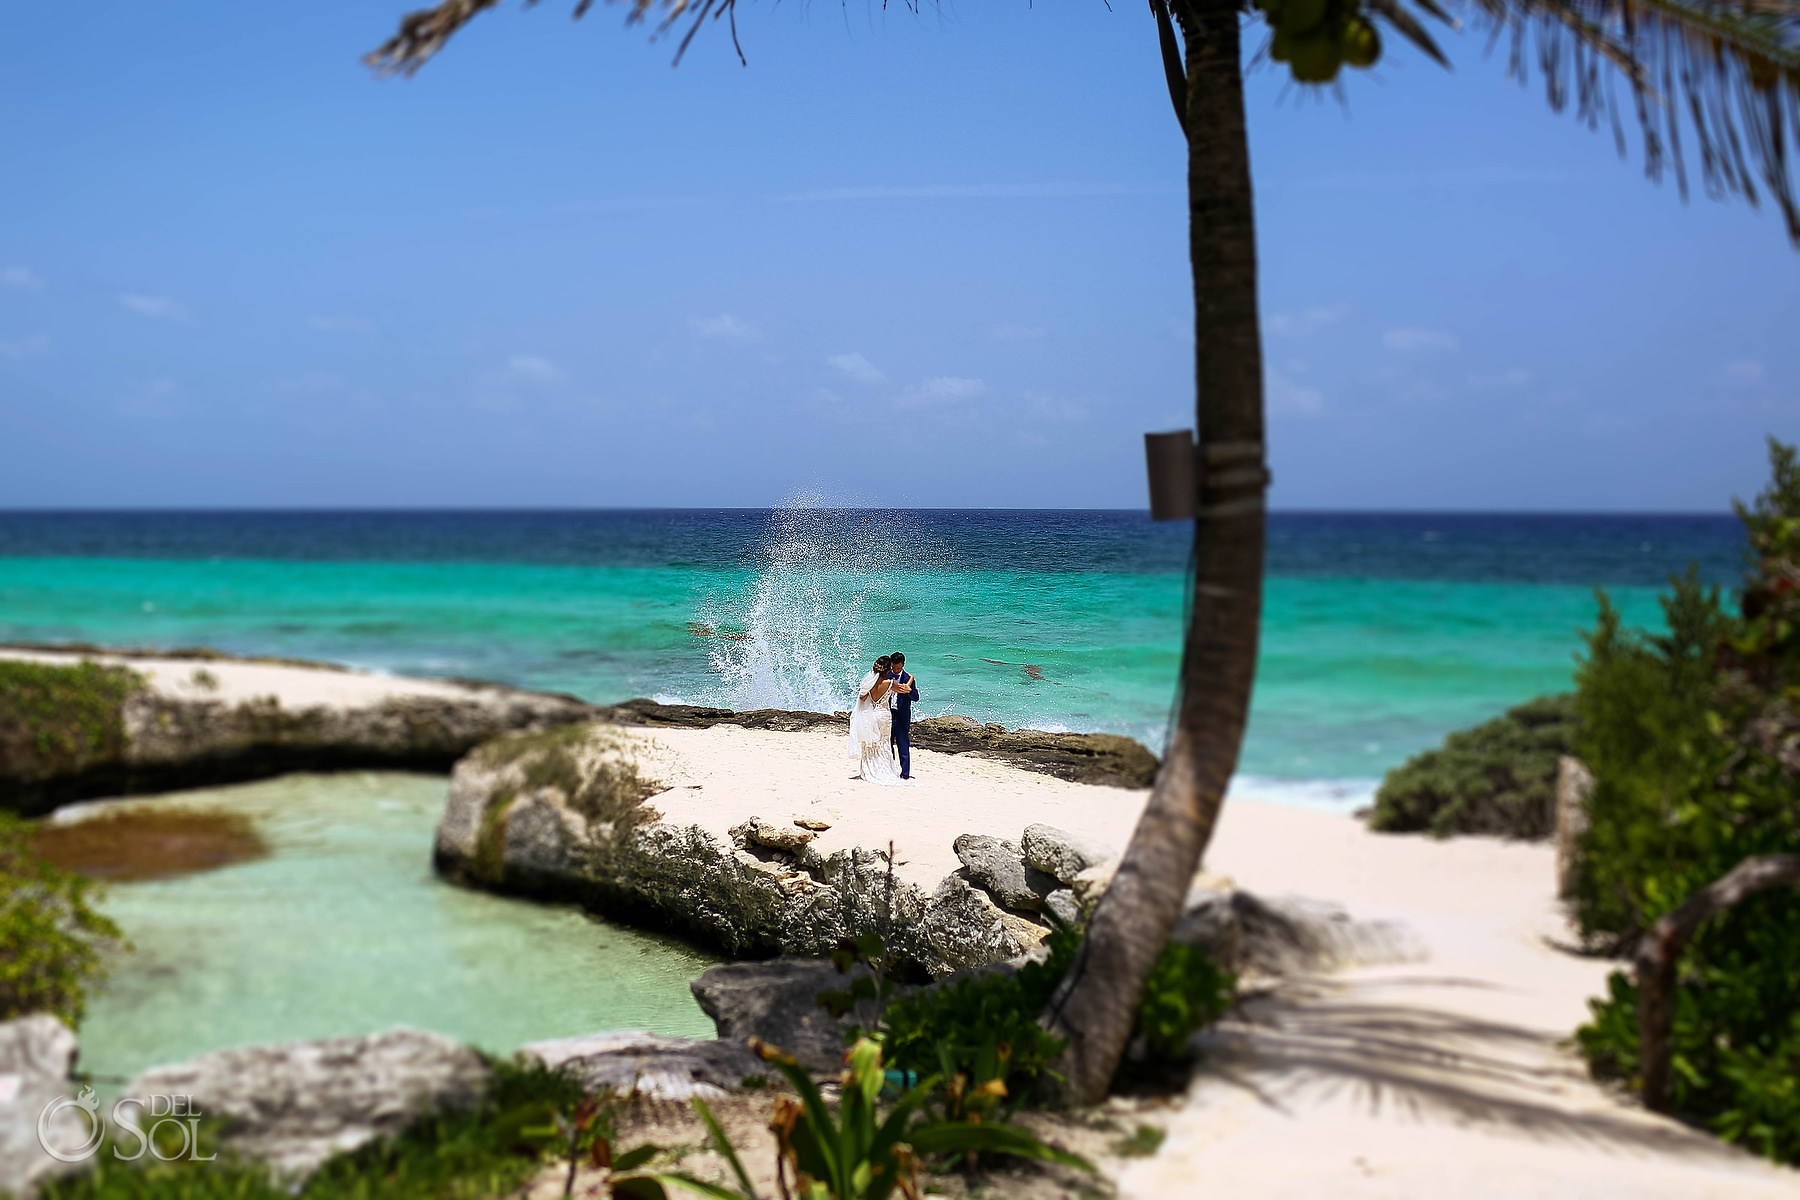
pixel 806 627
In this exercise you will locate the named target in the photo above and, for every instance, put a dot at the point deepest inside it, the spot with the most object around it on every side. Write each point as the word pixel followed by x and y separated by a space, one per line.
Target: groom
pixel 900 699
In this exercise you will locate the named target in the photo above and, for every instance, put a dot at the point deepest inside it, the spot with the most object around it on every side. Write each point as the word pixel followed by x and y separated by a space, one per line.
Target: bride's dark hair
pixel 882 663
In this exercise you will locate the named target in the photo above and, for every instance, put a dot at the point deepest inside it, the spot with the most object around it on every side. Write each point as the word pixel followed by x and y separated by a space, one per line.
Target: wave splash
pixel 798 638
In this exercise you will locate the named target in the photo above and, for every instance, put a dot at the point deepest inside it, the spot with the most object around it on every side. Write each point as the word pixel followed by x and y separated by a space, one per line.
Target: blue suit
pixel 902 738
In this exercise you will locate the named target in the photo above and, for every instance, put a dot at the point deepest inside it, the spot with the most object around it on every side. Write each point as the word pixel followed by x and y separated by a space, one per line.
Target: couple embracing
pixel 881 724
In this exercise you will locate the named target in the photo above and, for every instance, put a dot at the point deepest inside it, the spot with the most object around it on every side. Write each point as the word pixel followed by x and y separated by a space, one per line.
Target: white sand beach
pixel 1447 1077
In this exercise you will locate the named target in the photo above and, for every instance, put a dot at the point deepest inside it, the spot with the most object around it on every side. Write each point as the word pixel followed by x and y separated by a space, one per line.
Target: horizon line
pixel 422 510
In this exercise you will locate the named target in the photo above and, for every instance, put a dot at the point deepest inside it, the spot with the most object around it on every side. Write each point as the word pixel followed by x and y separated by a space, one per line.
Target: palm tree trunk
pixel 1097 1001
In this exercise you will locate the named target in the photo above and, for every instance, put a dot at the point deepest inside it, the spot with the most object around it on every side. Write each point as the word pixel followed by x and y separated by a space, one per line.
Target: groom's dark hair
pixel 897 658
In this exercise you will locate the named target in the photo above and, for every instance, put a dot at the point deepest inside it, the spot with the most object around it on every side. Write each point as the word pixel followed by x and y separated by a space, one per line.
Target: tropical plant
pixel 1693 737
pixel 860 1153
pixel 1496 778
pixel 1733 66
pixel 972 1031
pixel 53 941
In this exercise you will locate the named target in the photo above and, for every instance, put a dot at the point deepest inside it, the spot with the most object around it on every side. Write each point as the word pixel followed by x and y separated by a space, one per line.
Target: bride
pixel 871 728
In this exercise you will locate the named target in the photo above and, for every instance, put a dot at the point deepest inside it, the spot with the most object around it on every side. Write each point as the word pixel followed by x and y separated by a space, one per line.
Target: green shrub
pixel 1497 778
pixel 57 720
pixel 985 1027
pixel 1692 736
pixel 1185 993
pixel 52 939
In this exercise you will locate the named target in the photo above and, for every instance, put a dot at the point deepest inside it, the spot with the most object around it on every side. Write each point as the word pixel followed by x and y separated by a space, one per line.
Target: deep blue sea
pixel 1382 631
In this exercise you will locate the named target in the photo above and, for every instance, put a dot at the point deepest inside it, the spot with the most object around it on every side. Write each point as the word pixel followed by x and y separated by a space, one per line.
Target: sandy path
pixel 1444 1078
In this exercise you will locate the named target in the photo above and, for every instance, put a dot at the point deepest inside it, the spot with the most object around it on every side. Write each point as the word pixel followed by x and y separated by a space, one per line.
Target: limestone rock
pixel 1062 906
pixel 1061 854
pixel 581 836
pixel 812 823
pixel 995 866
pixel 778 1001
pixel 1092 883
pixel 1290 935
pixel 965 928
pixel 37 1054
pixel 788 838
pixel 650 1065
pixel 164 734
pixel 293 1106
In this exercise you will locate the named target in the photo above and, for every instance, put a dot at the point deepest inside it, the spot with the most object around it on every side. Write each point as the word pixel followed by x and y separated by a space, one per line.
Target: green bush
pixel 1497 778
pixel 1185 993
pixel 985 1027
pixel 57 720
pixel 52 939
pixel 1694 742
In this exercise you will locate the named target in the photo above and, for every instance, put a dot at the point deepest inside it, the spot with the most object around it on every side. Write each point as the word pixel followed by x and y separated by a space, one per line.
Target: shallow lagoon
pixel 344 929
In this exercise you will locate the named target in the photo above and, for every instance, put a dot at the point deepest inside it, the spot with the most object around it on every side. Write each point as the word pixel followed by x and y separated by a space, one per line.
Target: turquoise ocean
pixel 1381 634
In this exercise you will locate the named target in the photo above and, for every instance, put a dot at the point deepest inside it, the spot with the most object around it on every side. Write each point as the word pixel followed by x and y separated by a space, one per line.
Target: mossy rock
pixel 61 720
pixel 1498 778
pixel 589 766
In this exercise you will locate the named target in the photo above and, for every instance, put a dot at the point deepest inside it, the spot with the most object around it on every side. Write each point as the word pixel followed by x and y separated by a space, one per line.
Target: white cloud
pixel 1017 333
pixel 19 277
pixel 529 368
pixel 1410 338
pixel 341 324
pixel 858 368
pixel 1743 372
pixel 943 389
pixel 1290 397
pixel 1512 377
pixel 506 390
pixel 29 346
pixel 1307 322
pixel 1050 408
pixel 725 327
pixel 160 307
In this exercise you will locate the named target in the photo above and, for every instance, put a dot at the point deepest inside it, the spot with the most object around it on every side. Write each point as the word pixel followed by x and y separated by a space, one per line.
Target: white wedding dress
pixel 871 737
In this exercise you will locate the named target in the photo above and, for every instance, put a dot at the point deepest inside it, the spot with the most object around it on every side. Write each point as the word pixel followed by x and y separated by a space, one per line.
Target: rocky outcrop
pixel 74 726
pixel 650 1065
pixel 1101 758
pixel 1290 935
pixel 37 1055
pixel 1060 854
pixel 293 1106
pixel 995 866
pixel 80 721
pixel 565 814
pixel 778 1001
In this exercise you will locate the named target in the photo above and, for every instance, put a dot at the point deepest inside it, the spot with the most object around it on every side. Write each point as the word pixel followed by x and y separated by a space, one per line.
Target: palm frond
pixel 1726 71
pixel 425 32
